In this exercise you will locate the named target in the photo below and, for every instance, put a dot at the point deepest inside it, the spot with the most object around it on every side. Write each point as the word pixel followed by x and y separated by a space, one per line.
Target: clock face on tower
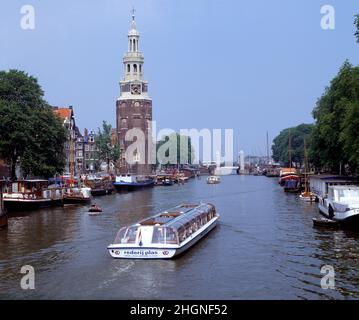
pixel 135 89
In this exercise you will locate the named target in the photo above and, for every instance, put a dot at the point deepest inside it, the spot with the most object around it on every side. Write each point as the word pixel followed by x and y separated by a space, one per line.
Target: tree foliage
pixel 336 115
pixel 297 135
pixel 107 151
pixel 29 130
pixel 356 23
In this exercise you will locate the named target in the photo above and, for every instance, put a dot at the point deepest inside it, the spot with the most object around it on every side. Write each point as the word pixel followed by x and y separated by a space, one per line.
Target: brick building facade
pixel 134 110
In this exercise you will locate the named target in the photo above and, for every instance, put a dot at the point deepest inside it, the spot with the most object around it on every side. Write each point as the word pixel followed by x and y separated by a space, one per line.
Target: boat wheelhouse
pixel 166 234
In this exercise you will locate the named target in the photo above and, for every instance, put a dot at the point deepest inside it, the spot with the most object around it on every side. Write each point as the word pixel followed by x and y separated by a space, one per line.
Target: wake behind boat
pixel 166 234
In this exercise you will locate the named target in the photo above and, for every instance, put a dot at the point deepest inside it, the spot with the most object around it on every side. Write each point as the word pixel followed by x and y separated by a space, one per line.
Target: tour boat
pixel 341 204
pixel 30 194
pixel 166 234
pixel 132 182
pixel 213 180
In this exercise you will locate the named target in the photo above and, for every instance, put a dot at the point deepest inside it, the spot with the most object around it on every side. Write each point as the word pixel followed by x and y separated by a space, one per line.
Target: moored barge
pixel 166 234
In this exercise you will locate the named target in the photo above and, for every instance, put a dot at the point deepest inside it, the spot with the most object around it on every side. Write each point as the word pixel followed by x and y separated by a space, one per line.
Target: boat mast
pixel 290 150
pixel 305 167
pixel 267 148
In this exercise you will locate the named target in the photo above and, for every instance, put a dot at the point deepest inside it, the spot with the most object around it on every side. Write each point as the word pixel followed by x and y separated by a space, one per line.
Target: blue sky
pixel 248 65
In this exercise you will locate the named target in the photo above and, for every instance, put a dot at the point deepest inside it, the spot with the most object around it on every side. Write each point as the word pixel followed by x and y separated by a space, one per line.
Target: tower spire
pixel 133 24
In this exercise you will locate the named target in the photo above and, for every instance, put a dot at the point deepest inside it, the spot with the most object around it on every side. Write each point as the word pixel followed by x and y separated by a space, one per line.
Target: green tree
pixel 293 137
pixel 185 150
pixel 29 130
pixel 107 151
pixel 335 114
pixel 356 23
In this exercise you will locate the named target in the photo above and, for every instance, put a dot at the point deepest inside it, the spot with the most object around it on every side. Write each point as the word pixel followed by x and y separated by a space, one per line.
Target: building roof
pixel 333 178
pixel 347 187
pixel 63 113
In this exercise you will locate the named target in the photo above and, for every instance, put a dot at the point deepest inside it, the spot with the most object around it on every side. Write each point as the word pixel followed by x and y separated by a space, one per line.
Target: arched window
pixel 135 68
pixel 128 68
pixel 130 45
pixel 140 68
pixel 134 45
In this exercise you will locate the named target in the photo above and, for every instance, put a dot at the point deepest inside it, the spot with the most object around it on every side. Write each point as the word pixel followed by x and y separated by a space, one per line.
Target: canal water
pixel 264 248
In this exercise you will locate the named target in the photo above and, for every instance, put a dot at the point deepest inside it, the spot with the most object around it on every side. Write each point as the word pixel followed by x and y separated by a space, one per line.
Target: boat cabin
pixel 34 189
pixel 319 184
pixel 344 194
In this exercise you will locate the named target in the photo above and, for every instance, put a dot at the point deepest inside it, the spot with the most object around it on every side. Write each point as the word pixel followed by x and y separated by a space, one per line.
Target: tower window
pixel 140 68
pixel 135 68
pixel 134 45
pixel 128 68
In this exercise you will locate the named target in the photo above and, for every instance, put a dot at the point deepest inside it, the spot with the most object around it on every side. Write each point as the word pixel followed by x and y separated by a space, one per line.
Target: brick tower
pixel 134 109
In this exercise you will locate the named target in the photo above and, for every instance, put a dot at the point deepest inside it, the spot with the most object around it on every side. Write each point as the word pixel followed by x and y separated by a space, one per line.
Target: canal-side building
pixel 134 108
pixel 91 152
pixel 66 115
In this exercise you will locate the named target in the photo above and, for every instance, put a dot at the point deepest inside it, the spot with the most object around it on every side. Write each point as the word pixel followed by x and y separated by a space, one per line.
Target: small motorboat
pixel 325 223
pixel 95 209
pixel 307 196
pixel 213 180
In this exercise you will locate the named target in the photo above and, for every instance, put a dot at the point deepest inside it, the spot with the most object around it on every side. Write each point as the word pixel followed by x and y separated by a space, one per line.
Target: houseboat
pixel 341 204
pixel 319 184
pixel 76 195
pixel 132 182
pixel 166 234
pixel 30 194
pixel 99 185
pixel 213 180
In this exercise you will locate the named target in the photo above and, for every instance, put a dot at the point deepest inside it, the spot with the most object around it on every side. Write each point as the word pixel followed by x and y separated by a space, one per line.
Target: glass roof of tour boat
pixel 172 215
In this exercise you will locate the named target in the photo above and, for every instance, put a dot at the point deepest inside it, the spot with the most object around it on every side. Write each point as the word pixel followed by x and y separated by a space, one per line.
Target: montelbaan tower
pixel 134 108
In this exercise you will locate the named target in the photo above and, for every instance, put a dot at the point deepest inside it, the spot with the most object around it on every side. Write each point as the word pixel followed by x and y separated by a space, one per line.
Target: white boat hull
pixel 339 216
pixel 119 251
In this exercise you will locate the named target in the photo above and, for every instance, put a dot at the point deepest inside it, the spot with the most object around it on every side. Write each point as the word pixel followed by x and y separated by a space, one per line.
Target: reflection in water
pixel 264 247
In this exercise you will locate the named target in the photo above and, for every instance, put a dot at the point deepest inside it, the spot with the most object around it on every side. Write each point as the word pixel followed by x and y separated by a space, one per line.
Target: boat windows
pixel 164 236
pixel 158 235
pixel 348 195
pixel 127 235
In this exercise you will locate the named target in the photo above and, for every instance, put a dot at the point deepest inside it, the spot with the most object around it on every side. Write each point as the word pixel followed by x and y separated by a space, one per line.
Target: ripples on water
pixel 264 248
